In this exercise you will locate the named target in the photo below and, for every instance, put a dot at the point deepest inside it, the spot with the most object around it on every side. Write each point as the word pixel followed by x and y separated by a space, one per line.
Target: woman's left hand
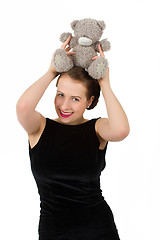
pixel 106 77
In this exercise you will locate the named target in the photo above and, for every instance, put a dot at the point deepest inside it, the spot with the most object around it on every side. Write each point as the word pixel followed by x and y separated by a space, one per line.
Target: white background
pixel 30 32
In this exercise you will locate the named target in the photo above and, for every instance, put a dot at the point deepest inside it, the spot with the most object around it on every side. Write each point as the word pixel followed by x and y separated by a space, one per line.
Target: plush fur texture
pixel 84 43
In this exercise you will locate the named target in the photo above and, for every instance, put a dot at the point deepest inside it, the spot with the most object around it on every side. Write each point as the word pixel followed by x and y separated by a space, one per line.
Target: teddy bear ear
pixel 101 24
pixel 73 24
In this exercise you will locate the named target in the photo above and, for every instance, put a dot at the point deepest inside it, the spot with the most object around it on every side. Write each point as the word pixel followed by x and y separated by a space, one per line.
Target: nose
pixel 65 105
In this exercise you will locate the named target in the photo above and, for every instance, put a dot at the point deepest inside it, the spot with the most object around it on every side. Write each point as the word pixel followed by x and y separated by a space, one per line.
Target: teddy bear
pixel 84 43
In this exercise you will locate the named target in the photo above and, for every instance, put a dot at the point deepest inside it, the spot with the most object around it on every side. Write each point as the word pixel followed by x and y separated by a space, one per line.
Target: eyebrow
pixel 71 96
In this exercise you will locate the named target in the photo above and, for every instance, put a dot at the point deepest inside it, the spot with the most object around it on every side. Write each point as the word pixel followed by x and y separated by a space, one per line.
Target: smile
pixel 65 114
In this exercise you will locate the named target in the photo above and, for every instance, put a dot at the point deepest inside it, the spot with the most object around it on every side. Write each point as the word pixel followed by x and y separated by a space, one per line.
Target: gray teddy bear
pixel 84 43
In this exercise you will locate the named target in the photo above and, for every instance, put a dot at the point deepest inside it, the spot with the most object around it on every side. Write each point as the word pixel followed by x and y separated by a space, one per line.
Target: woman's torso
pixel 66 163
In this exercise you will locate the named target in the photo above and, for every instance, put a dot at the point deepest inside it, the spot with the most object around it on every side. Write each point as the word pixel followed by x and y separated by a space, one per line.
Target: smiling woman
pixel 67 154
pixel 78 74
pixel 76 91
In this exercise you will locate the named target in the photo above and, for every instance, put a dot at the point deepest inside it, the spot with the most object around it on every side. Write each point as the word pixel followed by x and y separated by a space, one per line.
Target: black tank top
pixel 66 164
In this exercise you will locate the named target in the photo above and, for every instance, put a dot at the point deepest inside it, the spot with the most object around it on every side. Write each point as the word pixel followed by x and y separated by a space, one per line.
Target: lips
pixel 65 114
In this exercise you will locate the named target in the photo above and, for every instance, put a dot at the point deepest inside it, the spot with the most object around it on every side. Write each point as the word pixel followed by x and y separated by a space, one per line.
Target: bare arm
pixel 116 126
pixel 28 117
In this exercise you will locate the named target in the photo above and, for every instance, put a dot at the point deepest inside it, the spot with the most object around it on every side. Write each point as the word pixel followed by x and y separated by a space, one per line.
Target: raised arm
pixel 116 126
pixel 28 117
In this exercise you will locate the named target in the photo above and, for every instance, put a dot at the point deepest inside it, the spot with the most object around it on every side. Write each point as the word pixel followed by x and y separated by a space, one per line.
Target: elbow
pixel 21 107
pixel 22 110
pixel 124 132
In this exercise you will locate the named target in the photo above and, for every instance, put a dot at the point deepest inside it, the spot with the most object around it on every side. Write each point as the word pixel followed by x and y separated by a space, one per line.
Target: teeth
pixel 66 113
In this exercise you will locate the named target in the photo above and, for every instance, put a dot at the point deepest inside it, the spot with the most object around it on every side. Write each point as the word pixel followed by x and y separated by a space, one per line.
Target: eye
pixel 60 94
pixel 76 99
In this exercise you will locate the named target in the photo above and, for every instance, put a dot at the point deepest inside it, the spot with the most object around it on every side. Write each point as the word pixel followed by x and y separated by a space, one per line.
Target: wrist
pixel 104 84
pixel 52 74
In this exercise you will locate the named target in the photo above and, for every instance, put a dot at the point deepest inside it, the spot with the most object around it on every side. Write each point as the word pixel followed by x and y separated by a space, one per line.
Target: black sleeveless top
pixel 66 164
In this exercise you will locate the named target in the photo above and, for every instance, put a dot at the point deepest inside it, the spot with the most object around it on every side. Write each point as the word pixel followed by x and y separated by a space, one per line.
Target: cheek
pixel 80 107
pixel 57 101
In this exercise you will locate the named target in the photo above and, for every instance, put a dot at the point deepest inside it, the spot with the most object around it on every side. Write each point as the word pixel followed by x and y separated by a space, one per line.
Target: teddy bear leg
pixel 61 61
pixel 98 68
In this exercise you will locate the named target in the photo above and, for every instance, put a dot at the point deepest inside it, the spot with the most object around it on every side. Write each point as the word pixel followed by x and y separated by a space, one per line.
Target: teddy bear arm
pixel 105 45
pixel 64 36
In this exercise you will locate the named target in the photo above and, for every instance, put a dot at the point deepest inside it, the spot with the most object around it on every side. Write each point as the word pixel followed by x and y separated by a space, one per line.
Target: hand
pixel 64 46
pixel 106 77
pixel 100 51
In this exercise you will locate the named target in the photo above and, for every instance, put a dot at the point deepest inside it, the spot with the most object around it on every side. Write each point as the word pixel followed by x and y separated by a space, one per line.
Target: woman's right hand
pixel 64 46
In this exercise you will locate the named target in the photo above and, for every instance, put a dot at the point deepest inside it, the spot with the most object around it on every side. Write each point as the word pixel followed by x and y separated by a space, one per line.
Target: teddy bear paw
pixel 61 61
pixel 98 68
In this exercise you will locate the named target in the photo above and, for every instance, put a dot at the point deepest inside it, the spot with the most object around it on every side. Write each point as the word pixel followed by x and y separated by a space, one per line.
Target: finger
pixel 100 50
pixel 67 49
pixel 66 42
pixel 95 57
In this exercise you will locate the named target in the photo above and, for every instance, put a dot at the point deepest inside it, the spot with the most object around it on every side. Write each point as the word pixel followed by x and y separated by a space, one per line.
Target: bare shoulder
pixel 108 131
pixel 34 137
pixel 101 123
pixel 97 126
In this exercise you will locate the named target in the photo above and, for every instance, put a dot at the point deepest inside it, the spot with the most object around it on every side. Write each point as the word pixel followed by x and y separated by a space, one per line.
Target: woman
pixel 68 153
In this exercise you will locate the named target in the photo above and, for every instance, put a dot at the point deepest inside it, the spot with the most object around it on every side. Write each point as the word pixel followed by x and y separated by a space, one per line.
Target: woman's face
pixel 70 100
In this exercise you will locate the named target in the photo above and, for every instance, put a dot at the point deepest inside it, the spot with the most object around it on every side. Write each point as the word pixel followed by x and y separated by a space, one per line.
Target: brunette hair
pixel 81 75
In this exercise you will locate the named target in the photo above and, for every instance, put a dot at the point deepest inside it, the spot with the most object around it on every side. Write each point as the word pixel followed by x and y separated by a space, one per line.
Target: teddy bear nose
pixel 85 41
